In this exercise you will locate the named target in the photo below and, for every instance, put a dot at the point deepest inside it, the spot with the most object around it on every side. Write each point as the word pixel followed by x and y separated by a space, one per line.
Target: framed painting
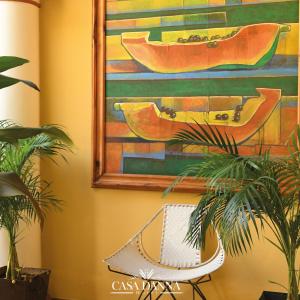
pixel 160 65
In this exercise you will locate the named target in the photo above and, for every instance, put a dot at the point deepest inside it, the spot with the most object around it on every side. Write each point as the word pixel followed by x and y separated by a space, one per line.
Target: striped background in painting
pixel 128 81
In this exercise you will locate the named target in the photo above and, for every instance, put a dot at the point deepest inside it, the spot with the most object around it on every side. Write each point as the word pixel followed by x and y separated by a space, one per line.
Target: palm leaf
pixel 207 137
pixel 10 62
pixel 6 81
pixel 11 185
pixel 241 186
pixel 13 134
pixel 243 191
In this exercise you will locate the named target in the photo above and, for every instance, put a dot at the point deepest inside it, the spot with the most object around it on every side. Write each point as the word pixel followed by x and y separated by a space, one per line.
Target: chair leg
pixel 161 294
pixel 150 292
pixel 141 294
pixel 199 292
pixel 170 292
pixel 193 293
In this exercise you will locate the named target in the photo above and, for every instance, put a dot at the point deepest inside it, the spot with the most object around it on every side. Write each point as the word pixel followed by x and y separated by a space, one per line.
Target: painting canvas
pixel 232 64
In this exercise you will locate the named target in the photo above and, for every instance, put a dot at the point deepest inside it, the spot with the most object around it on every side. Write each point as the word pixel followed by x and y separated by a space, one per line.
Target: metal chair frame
pixel 117 262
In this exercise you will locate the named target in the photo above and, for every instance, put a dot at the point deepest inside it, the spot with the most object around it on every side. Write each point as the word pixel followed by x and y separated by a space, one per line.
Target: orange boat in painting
pixel 251 46
pixel 148 122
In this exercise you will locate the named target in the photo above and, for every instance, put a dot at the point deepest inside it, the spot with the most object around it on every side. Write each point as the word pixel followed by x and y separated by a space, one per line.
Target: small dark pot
pixel 35 287
pixel 273 296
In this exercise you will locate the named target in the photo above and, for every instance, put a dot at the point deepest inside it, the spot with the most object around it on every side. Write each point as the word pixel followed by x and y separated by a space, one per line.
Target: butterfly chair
pixel 179 262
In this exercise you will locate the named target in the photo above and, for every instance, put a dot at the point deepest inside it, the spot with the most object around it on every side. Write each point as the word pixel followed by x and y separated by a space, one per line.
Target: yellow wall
pixel 95 222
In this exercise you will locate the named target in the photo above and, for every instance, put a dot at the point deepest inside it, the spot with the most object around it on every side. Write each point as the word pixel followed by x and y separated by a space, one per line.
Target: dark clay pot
pixel 32 286
pixel 274 296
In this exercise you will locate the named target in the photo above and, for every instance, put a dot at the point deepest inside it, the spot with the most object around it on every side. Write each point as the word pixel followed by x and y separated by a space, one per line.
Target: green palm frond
pixel 244 192
pixel 230 213
pixel 12 134
pixel 42 145
pixel 41 191
pixel 206 213
pixel 10 62
pixel 208 137
pixel 7 63
pixel 289 173
pixel 17 157
pixel 23 194
pixel 221 171
pixel 11 186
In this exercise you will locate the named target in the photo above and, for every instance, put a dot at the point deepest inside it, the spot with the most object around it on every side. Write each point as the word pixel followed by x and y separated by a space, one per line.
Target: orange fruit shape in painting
pixel 149 123
pixel 244 49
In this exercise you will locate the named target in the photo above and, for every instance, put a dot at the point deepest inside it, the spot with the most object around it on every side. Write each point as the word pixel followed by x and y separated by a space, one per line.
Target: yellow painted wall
pixel 95 222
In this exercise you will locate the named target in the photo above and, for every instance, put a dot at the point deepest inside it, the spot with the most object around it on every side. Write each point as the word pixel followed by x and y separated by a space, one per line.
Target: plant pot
pixel 33 285
pixel 273 296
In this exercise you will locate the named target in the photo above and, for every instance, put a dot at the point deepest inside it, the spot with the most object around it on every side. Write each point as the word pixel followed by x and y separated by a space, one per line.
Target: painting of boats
pixel 255 44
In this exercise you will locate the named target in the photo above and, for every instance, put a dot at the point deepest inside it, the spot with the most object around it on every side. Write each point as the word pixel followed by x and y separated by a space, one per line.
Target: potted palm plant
pixel 18 158
pixel 24 196
pixel 241 190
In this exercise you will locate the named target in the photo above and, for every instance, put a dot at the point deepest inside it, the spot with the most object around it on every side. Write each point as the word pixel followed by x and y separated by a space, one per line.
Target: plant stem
pixel 13 262
pixel 288 245
pixel 293 284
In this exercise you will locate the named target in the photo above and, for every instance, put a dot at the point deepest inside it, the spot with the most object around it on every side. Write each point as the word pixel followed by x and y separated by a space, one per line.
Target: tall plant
pixel 10 183
pixel 23 194
pixel 18 158
pixel 241 190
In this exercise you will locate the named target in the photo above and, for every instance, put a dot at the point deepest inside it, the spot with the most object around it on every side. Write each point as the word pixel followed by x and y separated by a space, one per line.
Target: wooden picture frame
pixel 101 177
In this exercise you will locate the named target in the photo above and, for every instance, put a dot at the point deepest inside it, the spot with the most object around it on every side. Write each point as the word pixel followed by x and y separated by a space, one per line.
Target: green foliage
pixel 10 62
pixel 37 198
pixel 24 196
pixel 15 133
pixel 243 191
pixel 11 185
